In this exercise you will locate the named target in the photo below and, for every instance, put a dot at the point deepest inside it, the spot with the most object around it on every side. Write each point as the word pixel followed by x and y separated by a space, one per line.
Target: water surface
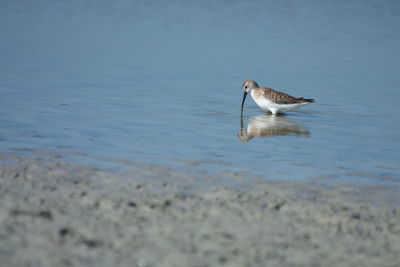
pixel 160 82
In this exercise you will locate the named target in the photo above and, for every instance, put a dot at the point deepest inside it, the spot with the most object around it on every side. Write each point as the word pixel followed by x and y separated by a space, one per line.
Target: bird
pixel 269 99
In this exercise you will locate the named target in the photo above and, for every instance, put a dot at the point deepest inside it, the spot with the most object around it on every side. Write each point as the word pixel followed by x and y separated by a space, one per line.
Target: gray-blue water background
pixel 160 82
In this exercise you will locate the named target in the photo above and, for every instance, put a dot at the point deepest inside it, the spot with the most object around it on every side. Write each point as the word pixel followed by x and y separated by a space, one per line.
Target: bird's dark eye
pixel 245 87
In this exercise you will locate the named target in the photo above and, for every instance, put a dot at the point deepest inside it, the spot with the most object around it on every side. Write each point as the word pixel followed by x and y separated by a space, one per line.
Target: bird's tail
pixel 306 100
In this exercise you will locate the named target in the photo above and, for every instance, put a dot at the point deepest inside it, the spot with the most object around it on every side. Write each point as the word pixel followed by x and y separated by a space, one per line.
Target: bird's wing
pixel 281 98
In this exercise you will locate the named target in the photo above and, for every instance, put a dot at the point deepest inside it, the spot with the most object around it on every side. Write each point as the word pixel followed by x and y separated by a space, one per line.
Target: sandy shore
pixel 54 213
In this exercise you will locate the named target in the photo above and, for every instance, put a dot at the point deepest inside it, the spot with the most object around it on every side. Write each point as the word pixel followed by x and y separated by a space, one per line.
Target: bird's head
pixel 248 85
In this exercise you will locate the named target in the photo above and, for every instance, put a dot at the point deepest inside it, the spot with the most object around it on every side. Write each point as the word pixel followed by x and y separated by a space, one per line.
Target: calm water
pixel 160 82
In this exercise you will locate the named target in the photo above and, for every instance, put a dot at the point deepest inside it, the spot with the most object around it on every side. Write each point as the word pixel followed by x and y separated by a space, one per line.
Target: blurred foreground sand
pixel 54 213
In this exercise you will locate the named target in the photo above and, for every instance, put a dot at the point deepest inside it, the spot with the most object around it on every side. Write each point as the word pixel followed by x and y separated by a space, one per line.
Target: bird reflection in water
pixel 266 125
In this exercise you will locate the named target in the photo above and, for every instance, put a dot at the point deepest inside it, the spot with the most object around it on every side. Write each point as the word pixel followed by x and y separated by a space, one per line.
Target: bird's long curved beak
pixel 244 98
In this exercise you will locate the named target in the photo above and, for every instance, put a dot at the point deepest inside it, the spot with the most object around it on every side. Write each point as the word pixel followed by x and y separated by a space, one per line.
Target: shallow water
pixel 160 82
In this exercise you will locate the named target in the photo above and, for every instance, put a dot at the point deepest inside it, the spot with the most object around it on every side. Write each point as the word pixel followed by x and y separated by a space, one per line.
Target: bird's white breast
pixel 262 101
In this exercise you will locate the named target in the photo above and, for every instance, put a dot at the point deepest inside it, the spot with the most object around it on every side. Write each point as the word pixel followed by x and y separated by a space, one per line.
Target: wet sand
pixel 55 213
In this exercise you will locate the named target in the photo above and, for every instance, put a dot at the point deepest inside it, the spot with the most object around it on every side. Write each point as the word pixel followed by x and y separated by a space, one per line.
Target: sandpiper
pixel 272 100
